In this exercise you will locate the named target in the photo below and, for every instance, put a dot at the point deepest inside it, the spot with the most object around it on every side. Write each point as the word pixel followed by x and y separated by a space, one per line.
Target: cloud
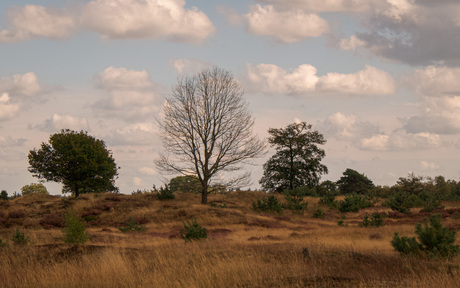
pixel 346 127
pixel 133 19
pixel 8 110
pixel 189 66
pixel 439 115
pixel 274 79
pixel 147 171
pixel 8 154
pixel 128 93
pixel 233 17
pixel 352 43
pixel 134 134
pixel 413 32
pixel 284 26
pixel 322 6
pixel 32 21
pixel 8 141
pixel 436 81
pixel 424 165
pixel 270 78
pixel 15 92
pixel 20 84
pixel 370 81
pixel 58 122
pixel 401 140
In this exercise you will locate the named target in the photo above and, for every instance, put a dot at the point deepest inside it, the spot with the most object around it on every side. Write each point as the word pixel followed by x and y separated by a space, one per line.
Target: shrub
pixel 3 195
pixel 318 214
pixel 434 240
pixel 267 204
pixel 74 231
pixel 132 225
pixel 164 193
pixel 327 199
pixel 214 204
pixel 16 214
pixel 354 202
pixel 193 231
pixel 376 220
pixel 341 221
pixel 294 201
pixel 400 201
pixel 431 204
pixel 32 188
pixel 20 238
pixel 3 244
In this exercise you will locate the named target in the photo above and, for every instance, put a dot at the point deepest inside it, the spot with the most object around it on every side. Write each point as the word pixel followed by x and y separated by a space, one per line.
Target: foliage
pixel 354 182
pixel 187 183
pixel 432 203
pixel 34 188
pixel 327 188
pixel 297 161
pixel 411 184
pixel 327 199
pixel 267 204
pixel 74 230
pixel 354 202
pixel 3 244
pixel 376 220
pixel 434 240
pixel 318 214
pixel 214 204
pixel 4 195
pixel 400 201
pixel 193 231
pixel 20 238
pixel 295 201
pixel 207 128
pixel 341 221
pixel 78 161
pixel 164 193
pixel 132 225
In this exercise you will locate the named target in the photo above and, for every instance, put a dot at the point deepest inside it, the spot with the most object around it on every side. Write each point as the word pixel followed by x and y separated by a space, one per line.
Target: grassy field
pixel 244 248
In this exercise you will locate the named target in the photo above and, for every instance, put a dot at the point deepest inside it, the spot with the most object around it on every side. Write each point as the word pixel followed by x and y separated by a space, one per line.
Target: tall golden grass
pixel 244 248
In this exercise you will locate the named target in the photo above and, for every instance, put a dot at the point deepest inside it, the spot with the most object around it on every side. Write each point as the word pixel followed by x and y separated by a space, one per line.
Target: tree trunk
pixel 204 195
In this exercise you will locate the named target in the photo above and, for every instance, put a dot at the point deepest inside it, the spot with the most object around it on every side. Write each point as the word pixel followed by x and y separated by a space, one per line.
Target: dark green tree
pixel 354 182
pixel 297 161
pixel 187 183
pixel 4 195
pixel 80 162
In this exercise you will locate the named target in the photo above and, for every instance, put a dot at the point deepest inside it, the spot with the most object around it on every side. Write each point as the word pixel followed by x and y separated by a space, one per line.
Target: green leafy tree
pixel 4 195
pixel 79 161
pixel 38 188
pixel 75 229
pixel 297 161
pixel 411 184
pixel 187 183
pixel 207 129
pixel 354 182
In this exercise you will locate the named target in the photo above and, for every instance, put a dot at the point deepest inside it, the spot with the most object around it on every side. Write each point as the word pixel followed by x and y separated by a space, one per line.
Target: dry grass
pixel 244 248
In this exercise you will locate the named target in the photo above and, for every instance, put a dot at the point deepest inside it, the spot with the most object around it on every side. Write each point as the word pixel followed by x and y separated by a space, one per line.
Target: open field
pixel 243 249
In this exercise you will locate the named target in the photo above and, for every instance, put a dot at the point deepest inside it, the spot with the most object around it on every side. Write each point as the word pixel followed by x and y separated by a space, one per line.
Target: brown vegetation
pixel 243 249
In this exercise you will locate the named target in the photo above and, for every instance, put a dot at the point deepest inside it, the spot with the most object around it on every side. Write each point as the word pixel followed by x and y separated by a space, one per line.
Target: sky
pixel 378 78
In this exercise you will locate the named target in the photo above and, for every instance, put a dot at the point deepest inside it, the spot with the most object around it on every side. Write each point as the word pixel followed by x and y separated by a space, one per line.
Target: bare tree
pixel 206 128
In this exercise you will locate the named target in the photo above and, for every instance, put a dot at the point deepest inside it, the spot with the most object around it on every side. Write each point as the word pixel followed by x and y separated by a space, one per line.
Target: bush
pixel 431 204
pixel 74 231
pixel 3 195
pixel 164 193
pixel 318 214
pixel 193 231
pixel 20 238
pixel 401 202
pixel 327 199
pixel 354 202
pixel 52 220
pixel 267 204
pixel 341 222
pixel 32 188
pixel 376 220
pixel 294 201
pixel 434 240
pixel 132 225
pixel 3 244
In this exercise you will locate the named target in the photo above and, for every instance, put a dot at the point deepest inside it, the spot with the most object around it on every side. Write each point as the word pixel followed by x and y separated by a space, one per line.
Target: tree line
pixel 207 129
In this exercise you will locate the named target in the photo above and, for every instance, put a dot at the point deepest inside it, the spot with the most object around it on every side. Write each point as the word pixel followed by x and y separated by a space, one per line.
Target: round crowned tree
pixel 79 161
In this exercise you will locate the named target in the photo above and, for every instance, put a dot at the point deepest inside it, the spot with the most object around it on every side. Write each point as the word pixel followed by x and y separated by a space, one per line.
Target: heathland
pixel 243 248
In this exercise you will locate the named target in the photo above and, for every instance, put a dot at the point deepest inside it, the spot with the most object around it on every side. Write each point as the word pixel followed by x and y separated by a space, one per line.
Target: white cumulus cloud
pixel 59 121
pixel 189 66
pixel 436 80
pixel 401 140
pixel 347 127
pixel 285 26
pixel 33 21
pixel 322 5
pixel 274 79
pixel 119 19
